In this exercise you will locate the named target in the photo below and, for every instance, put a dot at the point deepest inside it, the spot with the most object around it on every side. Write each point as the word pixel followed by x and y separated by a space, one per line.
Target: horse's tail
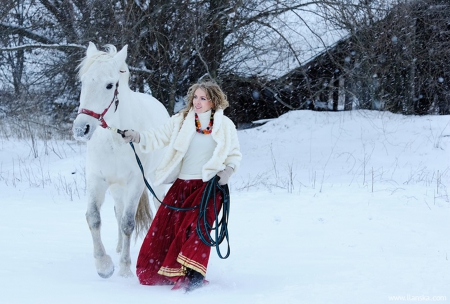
pixel 144 215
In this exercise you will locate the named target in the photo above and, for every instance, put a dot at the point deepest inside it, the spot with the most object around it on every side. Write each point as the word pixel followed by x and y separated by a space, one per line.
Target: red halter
pixel 100 116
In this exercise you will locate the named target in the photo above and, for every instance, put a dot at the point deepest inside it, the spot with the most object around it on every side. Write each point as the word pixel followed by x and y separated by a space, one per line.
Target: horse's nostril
pixel 86 129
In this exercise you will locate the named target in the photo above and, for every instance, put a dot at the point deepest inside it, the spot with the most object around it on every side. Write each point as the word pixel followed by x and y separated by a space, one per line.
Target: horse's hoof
pixel 105 267
pixel 106 275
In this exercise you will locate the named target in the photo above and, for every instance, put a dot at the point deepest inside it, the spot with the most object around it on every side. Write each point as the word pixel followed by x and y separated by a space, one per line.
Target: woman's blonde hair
pixel 213 92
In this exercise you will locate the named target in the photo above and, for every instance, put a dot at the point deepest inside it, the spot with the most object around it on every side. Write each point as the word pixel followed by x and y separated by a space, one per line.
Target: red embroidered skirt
pixel 172 243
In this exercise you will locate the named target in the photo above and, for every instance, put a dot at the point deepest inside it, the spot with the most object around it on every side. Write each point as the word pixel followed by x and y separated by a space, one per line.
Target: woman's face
pixel 200 102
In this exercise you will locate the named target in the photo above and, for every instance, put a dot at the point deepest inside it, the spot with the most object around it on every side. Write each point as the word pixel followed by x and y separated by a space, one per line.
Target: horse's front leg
pixel 96 197
pixel 128 224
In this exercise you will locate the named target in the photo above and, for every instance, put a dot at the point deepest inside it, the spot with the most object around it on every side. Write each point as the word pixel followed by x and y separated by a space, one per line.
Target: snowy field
pixel 342 207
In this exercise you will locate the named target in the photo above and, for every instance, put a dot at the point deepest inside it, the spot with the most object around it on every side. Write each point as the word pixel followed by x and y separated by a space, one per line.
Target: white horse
pixel 110 162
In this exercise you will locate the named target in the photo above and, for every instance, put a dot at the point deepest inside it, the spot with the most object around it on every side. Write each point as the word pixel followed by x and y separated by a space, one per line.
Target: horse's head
pixel 99 73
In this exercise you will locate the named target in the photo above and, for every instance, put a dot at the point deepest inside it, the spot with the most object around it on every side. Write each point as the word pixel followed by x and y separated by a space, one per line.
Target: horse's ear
pixel 121 56
pixel 91 49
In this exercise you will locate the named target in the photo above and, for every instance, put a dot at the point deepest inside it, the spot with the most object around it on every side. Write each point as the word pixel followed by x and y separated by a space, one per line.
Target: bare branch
pixel 42 46
pixel 9 28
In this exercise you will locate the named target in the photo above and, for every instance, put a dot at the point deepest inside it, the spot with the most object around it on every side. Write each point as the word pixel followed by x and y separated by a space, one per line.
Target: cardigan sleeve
pixel 234 157
pixel 157 138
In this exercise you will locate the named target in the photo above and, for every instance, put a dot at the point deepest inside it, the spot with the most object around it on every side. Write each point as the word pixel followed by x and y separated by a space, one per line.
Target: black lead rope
pixel 220 227
pixel 151 189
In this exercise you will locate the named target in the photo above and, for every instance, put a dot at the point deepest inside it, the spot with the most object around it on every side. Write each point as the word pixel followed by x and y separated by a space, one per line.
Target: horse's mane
pixel 83 67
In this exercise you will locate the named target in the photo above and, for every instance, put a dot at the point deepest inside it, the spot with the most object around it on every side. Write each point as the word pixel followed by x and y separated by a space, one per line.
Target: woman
pixel 202 142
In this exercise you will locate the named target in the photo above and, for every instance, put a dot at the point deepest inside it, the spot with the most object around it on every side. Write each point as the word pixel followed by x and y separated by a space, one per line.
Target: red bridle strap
pixel 99 117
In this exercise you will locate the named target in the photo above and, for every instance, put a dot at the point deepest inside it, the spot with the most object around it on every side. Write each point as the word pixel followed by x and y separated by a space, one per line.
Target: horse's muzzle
pixel 83 133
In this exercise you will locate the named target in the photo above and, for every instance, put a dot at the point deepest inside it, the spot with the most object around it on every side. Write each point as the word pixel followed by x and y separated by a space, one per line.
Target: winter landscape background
pixel 328 207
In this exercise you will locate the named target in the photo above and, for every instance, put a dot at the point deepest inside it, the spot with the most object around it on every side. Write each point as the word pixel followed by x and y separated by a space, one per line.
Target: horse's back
pixel 146 112
pixel 150 113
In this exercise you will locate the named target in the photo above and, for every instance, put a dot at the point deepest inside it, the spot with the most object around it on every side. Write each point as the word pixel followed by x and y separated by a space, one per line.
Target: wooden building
pixel 399 64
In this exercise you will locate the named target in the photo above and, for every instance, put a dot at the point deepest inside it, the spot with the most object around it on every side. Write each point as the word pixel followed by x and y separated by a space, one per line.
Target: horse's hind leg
pixel 96 196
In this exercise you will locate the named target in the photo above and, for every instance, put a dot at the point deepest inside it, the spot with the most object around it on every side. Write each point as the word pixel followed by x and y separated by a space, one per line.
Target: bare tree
pixel 179 42
pixel 40 49
pixel 172 43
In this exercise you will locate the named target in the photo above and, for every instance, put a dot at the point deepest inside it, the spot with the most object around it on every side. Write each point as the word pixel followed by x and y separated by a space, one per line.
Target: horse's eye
pixel 109 86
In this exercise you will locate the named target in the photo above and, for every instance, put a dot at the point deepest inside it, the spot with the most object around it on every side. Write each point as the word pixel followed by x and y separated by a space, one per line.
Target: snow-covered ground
pixel 347 207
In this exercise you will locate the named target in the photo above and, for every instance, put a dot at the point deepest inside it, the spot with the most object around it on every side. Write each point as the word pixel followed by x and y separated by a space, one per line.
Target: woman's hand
pixel 225 175
pixel 131 136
